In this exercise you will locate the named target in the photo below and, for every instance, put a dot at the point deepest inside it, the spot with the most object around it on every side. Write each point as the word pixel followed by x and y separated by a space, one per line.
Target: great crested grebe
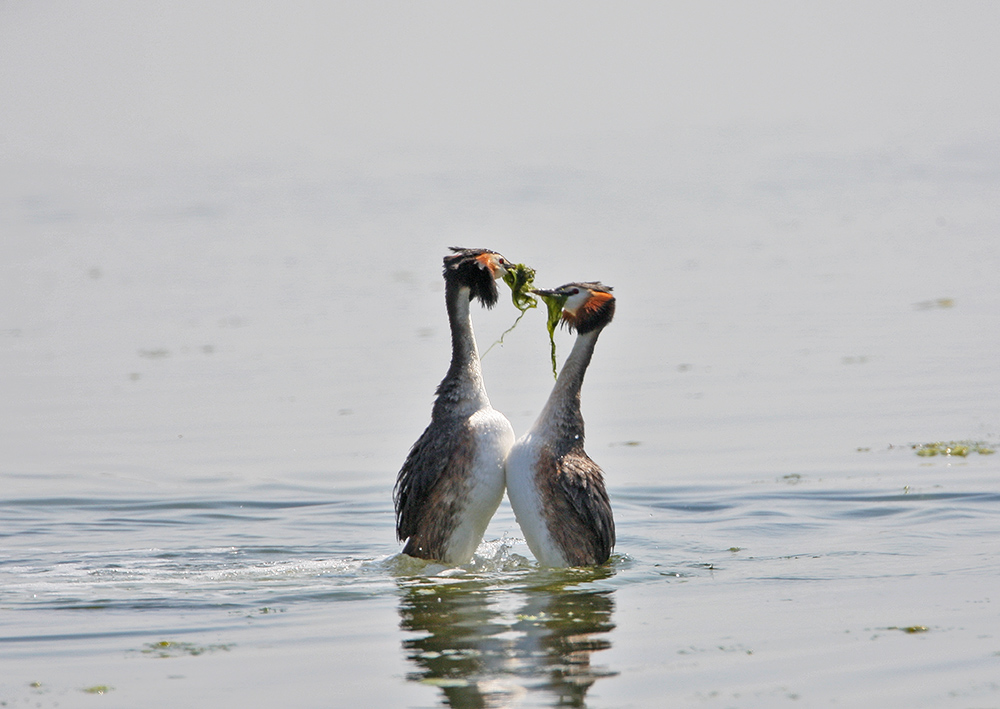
pixel 557 492
pixel 453 478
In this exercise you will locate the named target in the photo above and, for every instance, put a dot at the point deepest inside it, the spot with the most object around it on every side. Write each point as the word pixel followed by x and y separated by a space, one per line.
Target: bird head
pixel 478 270
pixel 580 306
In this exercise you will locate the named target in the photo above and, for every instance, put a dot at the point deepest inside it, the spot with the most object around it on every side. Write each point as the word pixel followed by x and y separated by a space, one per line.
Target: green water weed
pixel 952 448
pixel 519 278
pixel 169 648
pixel 98 689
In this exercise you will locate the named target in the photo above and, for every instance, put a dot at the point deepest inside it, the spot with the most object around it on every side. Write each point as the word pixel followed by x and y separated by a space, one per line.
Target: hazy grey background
pixel 112 83
pixel 223 223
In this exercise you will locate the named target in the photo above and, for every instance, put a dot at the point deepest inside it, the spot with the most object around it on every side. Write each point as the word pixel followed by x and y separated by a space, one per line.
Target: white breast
pixel 494 438
pixel 522 491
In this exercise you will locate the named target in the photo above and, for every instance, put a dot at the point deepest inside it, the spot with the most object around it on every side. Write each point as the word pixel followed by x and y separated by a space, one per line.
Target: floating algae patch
pixel 956 448
pixel 936 303
pixel 445 682
pixel 519 278
pixel 98 689
pixel 169 648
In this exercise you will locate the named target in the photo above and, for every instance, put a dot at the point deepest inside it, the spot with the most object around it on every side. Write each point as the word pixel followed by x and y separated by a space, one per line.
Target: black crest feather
pixel 464 269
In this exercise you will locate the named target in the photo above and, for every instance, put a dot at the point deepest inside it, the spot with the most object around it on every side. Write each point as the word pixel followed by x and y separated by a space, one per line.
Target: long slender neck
pixel 561 417
pixel 463 385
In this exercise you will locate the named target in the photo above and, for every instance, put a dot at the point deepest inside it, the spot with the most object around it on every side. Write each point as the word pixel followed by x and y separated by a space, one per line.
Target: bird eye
pixel 574 291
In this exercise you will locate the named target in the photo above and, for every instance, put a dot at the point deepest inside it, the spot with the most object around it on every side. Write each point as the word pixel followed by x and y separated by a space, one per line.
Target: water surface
pixel 222 322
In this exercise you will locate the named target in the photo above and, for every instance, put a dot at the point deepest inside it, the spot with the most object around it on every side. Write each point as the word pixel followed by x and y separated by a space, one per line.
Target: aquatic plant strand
pixel 519 279
pixel 555 306
pixel 957 448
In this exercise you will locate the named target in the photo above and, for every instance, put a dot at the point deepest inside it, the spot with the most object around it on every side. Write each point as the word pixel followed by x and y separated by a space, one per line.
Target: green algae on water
pixel 98 689
pixel 169 648
pixel 957 448
pixel 910 629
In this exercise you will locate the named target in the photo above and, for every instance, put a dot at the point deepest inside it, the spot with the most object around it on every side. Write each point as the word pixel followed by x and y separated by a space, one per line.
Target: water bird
pixel 452 480
pixel 556 490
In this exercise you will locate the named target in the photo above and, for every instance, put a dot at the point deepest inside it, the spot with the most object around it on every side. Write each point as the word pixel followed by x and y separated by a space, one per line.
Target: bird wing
pixel 435 464
pixel 582 483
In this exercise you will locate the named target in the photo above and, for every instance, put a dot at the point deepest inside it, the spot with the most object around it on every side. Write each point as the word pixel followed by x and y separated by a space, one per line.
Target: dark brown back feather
pixel 576 503
pixel 431 487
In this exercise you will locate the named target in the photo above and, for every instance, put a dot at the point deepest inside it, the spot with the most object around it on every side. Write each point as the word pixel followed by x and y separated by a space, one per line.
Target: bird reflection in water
pixel 487 641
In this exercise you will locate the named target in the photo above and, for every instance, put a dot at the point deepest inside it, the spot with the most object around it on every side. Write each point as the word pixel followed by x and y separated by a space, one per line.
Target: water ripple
pixel 84 553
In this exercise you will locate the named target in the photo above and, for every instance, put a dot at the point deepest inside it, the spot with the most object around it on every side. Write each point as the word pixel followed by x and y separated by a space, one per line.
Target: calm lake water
pixel 213 364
